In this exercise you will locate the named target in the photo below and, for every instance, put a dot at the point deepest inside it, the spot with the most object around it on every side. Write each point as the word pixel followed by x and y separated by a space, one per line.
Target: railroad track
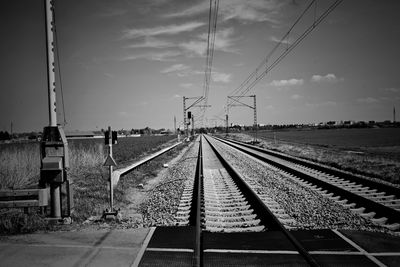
pixel 225 219
pixel 375 201
pixel 219 200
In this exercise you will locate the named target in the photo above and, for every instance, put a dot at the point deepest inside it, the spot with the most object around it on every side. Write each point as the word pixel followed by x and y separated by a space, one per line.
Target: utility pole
pixel 51 81
pixel 51 86
pixel 227 124
pixel 394 114
pixel 175 124
pixel 192 125
pixel 54 166
pixel 241 104
pixel 184 116
pixel 255 117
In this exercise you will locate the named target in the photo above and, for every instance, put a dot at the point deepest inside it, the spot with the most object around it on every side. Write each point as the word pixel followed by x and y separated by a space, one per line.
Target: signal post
pixel 110 138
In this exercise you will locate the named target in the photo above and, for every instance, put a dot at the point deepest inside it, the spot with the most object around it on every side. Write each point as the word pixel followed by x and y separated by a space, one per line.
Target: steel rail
pixel 380 186
pixel 195 213
pixel 370 205
pixel 263 212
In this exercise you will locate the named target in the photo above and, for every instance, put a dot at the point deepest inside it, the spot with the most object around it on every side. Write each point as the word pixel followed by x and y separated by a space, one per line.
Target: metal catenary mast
pixel 54 145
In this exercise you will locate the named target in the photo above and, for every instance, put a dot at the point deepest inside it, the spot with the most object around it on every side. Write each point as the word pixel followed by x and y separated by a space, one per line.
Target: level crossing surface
pixel 131 247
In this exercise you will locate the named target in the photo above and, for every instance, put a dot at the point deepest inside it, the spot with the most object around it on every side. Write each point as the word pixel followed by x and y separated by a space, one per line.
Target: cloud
pixel 327 78
pixel 392 89
pixel 296 97
pixel 195 46
pixel 367 100
pixel 151 42
pixel 161 30
pixel 221 77
pixel 153 56
pixel 276 40
pixel 322 104
pixel 223 42
pixel 113 12
pixel 175 68
pixel 242 10
pixel 291 82
pixel 186 85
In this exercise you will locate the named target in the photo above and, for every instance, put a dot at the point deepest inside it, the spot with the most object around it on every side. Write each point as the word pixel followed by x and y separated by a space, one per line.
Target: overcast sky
pixel 128 63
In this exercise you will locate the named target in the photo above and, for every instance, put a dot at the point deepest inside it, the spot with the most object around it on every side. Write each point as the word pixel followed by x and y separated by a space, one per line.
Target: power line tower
pixel 237 103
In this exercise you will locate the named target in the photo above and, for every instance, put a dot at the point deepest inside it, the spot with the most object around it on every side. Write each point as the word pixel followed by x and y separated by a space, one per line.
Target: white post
pixel 50 63
pixel 51 86
pixel 110 169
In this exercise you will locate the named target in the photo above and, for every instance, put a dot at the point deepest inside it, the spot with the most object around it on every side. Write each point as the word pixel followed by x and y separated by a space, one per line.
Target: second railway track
pixel 374 201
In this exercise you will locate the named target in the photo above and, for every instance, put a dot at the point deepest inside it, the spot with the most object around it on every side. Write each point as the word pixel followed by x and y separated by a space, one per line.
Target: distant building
pixel 79 134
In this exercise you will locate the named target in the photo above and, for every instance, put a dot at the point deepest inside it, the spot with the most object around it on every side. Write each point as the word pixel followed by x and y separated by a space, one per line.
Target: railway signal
pixel 189 116
pixel 110 139
pixel 114 137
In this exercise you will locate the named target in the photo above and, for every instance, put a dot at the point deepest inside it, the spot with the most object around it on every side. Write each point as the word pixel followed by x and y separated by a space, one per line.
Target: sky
pixel 129 63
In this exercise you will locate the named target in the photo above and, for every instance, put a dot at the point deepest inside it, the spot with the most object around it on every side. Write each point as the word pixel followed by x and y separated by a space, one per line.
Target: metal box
pixel 52 164
pixel 52 169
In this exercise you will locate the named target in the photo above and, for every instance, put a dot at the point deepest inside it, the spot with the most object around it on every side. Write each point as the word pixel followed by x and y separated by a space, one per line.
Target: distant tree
pixel 4 135
pixel 32 136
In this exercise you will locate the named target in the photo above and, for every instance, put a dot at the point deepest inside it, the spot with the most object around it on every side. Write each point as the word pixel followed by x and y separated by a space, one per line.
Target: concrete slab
pixel 268 240
pixel 81 248
pixel 374 242
pixel 321 240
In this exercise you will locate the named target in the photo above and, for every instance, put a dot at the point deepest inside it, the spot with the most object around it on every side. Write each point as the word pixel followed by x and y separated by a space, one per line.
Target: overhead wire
pixel 212 30
pixel 255 76
pixel 265 61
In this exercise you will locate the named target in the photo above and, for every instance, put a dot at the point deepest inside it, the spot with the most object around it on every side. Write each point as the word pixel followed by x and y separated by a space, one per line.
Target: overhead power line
pixel 264 67
pixel 212 29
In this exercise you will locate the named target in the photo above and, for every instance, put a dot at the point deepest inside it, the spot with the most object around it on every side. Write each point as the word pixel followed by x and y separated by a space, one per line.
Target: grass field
pixel 345 138
pixel 372 152
pixel 20 162
pixel 20 168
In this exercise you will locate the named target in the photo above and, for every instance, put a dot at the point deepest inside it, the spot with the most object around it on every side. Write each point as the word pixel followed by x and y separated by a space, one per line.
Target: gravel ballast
pixel 162 200
pixel 308 208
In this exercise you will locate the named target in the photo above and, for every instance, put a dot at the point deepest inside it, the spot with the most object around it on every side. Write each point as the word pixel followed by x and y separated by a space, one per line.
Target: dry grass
pixel 20 168
pixel 19 165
